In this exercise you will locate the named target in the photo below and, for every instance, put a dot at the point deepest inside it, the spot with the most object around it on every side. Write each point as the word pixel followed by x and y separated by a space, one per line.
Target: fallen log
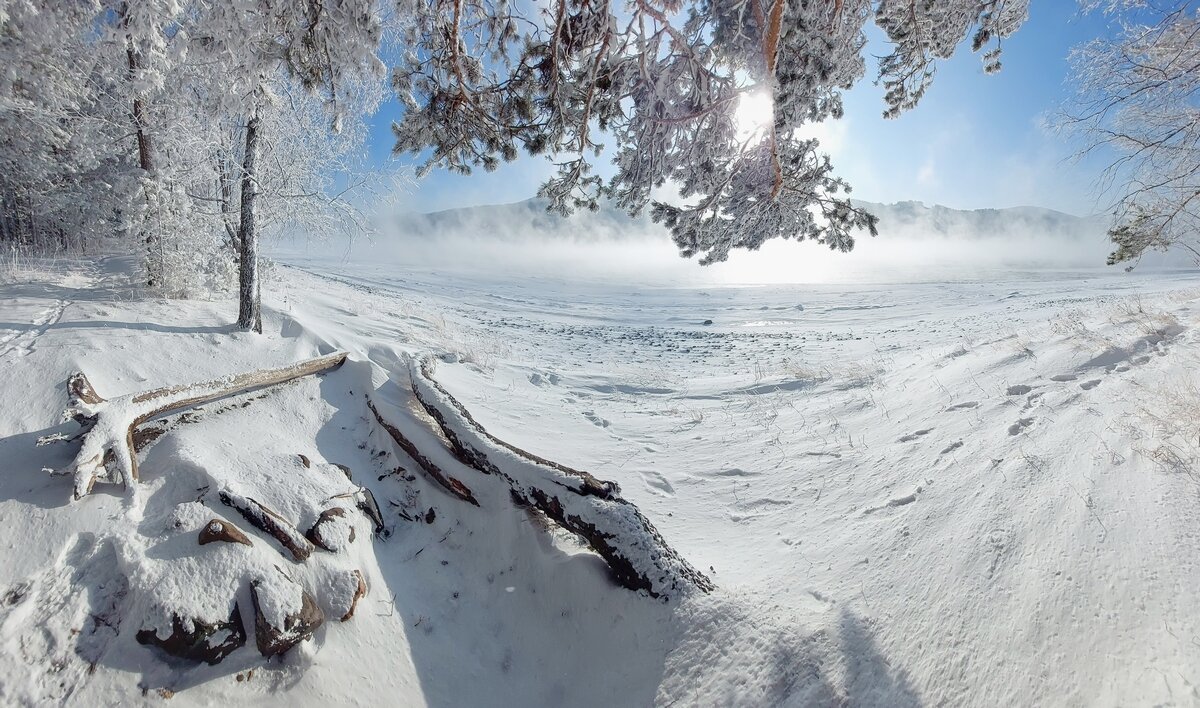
pixel 107 453
pixel 428 466
pixel 592 509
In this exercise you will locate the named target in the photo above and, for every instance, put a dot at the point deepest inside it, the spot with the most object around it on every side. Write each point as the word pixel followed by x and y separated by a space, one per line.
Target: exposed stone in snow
pixel 196 640
pixel 284 614
pixel 219 530
pixel 333 531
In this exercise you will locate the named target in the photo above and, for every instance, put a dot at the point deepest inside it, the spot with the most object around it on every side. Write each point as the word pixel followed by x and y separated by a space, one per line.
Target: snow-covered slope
pixel 970 493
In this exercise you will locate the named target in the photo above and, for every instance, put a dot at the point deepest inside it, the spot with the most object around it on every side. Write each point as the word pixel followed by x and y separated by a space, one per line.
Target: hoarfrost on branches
pixel 657 85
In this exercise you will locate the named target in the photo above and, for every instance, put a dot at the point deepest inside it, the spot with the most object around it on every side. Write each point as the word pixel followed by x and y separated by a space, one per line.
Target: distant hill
pixel 526 219
pixel 529 218
pixel 915 219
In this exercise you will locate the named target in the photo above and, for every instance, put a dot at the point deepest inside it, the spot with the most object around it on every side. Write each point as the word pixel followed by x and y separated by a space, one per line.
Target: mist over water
pixel 520 241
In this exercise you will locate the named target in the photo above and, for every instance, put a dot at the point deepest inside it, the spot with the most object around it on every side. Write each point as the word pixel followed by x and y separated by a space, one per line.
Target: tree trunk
pixel 29 238
pixel 249 288
pixel 225 189
pixel 6 230
pixel 154 259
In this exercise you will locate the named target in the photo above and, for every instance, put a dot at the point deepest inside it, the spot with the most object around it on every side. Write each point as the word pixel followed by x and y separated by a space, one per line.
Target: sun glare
pixel 755 112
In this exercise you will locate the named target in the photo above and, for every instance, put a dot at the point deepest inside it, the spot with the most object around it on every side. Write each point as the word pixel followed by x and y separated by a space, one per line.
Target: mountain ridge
pixel 905 218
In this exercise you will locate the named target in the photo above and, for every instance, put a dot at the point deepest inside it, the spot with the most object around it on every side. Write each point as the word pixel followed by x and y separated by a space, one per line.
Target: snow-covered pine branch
pixel 658 85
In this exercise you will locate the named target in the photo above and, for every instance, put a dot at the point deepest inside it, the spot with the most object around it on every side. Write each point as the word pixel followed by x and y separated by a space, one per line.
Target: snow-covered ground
pixel 981 492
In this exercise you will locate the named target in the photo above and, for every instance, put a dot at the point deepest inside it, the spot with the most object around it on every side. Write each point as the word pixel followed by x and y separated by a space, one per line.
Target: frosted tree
pixel 261 49
pixel 59 173
pixel 131 120
pixel 657 84
pixel 1139 98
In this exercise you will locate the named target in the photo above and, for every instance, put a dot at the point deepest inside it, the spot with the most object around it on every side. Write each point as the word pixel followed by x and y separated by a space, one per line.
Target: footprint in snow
pixel 596 420
pixel 913 436
pixel 657 482
pixel 1019 427
pixel 1064 377
pixel 1089 385
pixel 952 447
pixel 735 472
pixel 965 405
pixel 894 502
pixel 1019 390
pixel 749 510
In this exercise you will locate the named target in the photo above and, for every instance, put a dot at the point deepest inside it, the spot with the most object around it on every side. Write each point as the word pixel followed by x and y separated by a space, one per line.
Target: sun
pixel 755 112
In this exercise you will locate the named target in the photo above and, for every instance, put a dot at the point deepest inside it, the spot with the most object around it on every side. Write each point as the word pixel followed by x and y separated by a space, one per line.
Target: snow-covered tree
pixel 658 84
pixel 60 177
pixel 1139 96
pixel 132 120
pixel 257 53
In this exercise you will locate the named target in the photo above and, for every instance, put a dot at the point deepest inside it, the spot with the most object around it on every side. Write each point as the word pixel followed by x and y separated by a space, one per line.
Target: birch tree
pixel 1139 99
pixel 324 46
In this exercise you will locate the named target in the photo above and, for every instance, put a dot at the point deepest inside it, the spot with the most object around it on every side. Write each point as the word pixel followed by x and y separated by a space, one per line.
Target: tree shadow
pixel 23 479
pixel 871 680
pixel 495 607
pixel 22 327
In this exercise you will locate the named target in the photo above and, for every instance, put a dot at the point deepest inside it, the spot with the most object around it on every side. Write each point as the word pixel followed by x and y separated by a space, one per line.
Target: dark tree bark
pixel 225 188
pixel 7 233
pixel 249 287
pixel 145 147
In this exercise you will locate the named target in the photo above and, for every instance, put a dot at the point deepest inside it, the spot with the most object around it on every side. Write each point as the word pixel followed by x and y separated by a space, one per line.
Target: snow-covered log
pixel 107 453
pixel 591 508
pixel 428 466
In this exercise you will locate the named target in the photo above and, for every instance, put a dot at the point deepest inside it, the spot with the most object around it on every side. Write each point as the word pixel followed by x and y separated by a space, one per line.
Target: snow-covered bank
pixel 973 493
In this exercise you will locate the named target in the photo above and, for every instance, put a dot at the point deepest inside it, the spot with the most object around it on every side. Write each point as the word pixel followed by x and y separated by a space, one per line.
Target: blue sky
pixel 975 141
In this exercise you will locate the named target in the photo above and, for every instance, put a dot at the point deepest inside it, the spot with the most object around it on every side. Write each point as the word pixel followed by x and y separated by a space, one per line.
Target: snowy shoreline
pixel 970 493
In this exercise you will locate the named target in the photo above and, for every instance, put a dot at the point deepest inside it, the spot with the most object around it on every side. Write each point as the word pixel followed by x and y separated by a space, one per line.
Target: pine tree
pixel 659 83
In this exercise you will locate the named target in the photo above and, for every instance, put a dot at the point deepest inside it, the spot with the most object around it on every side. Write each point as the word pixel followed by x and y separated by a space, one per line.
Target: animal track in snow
pixel 1019 390
pixel 538 379
pixel 1089 385
pixel 913 436
pixel 1064 377
pixel 965 405
pixel 65 617
pixel 24 343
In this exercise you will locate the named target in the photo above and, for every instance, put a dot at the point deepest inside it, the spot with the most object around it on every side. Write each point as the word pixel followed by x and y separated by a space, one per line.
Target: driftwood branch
pixel 593 509
pixel 428 466
pixel 107 452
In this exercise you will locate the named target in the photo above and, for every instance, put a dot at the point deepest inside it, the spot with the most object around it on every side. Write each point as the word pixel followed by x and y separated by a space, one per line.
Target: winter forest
pixel 468 352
